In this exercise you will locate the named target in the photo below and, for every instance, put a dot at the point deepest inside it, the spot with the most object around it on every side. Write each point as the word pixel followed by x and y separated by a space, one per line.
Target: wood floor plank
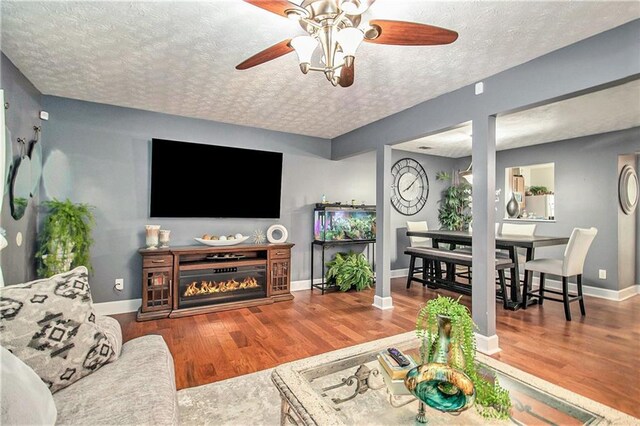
pixel 595 356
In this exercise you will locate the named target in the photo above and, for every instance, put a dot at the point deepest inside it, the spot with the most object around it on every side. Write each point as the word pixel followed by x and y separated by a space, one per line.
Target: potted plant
pixel 349 270
pixel 492 401
pixel 65 239
pixel 454 211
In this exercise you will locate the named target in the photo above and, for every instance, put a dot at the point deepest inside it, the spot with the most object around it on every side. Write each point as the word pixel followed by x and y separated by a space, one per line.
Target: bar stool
pixel 570 265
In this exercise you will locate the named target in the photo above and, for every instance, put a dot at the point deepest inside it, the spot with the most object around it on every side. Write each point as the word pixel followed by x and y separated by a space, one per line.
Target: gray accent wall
pixel 24 107
pixel 611 56
pixel 99 154
pixel 626 234
pixel 586 180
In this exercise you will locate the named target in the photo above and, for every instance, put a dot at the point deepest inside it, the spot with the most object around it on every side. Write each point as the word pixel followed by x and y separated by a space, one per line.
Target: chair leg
pixel 525 288
pixel 541 298
pixel 581 300
pixel 424 271
pixel 565 298
pixel 503 288
pixel 412 266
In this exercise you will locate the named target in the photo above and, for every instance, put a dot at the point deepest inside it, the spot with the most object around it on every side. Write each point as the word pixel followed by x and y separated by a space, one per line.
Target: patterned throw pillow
pixel 50 325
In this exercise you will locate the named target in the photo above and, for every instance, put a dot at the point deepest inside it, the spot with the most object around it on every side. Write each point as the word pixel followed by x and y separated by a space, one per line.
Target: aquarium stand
pixel 323 285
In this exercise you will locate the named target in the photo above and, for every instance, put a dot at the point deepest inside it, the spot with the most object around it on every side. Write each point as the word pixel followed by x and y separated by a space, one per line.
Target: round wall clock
pixel 410 188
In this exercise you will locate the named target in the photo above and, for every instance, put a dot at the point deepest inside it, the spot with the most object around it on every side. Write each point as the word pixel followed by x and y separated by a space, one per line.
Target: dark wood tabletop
pixel 502 240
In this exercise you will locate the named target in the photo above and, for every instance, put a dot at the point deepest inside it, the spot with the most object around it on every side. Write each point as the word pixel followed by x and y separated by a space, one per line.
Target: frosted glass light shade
pixel 349 39
pixel 349 7
pixel 304 47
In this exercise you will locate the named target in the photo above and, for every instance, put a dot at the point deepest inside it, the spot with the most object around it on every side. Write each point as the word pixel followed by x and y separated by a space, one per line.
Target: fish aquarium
pixel 333 222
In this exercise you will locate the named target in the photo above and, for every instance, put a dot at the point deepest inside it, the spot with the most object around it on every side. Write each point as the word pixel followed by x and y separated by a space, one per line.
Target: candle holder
pixel 152 236
pixel 164 238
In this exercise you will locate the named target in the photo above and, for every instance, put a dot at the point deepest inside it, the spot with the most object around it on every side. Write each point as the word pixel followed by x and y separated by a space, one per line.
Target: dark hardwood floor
pixel 595 356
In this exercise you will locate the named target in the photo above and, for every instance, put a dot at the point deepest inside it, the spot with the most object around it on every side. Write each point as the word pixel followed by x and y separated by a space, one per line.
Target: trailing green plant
pixel 492 400
pixel 65 239
pixel 454 212
pixel 349 270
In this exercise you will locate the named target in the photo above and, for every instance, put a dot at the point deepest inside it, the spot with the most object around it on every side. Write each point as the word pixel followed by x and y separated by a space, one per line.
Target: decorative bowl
pixel 221 243
pixel 441 386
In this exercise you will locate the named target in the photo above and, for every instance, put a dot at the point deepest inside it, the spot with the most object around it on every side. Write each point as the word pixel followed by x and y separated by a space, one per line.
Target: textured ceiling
pixel 616 108
pixel 178 57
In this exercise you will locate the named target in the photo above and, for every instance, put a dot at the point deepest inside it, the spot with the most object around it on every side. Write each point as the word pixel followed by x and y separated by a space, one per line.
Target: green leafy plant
pixel 349 270
pixel 538 190
pixel 65 239
pixel 492 400
pixel 454 212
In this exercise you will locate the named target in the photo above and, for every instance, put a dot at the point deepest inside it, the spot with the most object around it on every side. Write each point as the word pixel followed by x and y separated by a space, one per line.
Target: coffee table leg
pixel 285 413
pixel 422 415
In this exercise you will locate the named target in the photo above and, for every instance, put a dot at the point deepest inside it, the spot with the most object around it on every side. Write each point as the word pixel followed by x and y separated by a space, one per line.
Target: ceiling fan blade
pixel 401 33
pixel 347 75
pixel 276 6
pixel 267 55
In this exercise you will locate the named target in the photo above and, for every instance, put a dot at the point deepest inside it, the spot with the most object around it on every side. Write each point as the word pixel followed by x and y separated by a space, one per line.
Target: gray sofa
pixel 139 388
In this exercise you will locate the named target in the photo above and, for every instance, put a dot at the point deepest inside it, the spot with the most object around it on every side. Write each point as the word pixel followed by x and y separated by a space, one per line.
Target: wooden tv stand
pixel 161 270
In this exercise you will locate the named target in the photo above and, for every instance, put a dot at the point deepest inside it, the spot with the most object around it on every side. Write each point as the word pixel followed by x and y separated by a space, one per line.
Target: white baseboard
pixel 488 345
pixel 397 273
pixel 117 307
pixel 383 303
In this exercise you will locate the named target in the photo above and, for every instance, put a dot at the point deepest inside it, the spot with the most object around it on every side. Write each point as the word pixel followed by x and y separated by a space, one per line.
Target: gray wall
pixel 25 104
pixel 99 154
pixel 586 179
pixel 607 57
pixel 626 234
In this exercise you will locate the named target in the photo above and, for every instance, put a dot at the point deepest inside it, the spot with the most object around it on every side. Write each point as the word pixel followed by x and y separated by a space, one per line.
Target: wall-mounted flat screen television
pixel 198 180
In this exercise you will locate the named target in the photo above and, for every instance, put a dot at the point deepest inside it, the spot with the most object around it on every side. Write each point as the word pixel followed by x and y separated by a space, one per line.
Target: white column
pixel 483 296
pixel 382 299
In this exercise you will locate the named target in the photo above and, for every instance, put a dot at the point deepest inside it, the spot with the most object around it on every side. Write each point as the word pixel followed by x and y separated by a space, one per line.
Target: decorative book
pixel 395 371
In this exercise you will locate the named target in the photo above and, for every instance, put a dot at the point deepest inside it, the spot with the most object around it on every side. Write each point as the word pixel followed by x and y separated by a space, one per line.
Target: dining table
pixel 507 242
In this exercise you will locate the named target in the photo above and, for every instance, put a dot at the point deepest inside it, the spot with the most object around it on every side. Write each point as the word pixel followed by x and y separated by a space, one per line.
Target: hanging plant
pixel 65 239
pixel 348 270
pixel 492 400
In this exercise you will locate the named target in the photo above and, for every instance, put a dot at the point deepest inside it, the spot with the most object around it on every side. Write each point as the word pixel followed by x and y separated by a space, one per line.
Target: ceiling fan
pixel 337 26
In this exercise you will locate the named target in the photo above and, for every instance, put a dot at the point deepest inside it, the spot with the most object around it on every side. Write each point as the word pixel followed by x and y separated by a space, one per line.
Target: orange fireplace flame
pixel 211 287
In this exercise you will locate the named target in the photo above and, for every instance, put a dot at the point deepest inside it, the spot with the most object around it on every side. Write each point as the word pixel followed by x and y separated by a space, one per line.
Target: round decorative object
pixel 513 208
pixel 277 228
pixel 628 189
pixel 410 188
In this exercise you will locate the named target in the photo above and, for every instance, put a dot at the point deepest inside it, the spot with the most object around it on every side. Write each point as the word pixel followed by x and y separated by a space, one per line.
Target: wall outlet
pixel 119 284
pixel 602 274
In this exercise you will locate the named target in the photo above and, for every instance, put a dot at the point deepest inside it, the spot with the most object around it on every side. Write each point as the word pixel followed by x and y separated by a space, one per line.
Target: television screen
pixel 197 180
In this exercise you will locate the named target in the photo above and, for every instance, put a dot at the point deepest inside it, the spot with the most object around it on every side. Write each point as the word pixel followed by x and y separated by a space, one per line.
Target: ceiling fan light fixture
pixel 304 47
pixel 350 7
pixel 349 40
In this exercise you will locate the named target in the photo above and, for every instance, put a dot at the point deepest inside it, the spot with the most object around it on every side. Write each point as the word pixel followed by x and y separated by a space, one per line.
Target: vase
pixel 513 207
pixel 152 232
pixel 438 383
pixel 164 238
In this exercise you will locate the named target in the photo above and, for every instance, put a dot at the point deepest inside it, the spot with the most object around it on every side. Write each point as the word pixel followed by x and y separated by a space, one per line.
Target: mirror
pixel 8 160
pixel 20 188
pixel 628 189
pixel 35 153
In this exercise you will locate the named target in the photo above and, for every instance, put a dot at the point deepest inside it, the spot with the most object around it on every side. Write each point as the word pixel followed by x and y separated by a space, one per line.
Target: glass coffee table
pixel 346 387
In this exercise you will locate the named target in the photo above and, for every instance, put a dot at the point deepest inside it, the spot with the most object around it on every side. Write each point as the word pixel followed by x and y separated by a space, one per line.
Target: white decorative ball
pixel 223 238
pixel 238 236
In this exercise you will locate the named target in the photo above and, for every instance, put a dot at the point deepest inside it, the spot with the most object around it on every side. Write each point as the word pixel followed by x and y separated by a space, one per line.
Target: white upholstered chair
pixel 416 227
pixel 570 265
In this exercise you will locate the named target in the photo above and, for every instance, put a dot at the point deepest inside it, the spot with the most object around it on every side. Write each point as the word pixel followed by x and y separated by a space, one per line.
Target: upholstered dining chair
pixel 418 226
pixel 570 265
